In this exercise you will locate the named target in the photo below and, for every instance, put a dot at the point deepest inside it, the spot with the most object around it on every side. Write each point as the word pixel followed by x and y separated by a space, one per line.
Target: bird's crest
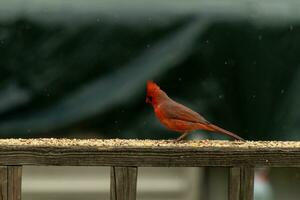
pixel 152 87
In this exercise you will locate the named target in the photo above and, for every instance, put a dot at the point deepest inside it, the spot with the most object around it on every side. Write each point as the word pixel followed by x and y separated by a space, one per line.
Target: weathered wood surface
pixel 14 182
pixel 234 183
pixel 3 183
pixel 142 153
pixel 241 183
pixel 247 183
pixel 123 183
pixel 11 181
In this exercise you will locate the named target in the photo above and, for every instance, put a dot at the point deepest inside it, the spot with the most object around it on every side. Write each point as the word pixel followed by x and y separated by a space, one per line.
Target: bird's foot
pixel 181 137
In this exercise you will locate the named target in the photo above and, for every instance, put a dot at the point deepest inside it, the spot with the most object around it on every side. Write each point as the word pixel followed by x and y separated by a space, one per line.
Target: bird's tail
pixel 223 131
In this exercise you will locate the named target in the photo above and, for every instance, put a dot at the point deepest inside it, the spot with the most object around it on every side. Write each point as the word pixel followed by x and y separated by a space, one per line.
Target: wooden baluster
pixel 123 183
pixel 247 183
pixel 10 182
pixel 241 183
pixel 3 182
pixel 234 183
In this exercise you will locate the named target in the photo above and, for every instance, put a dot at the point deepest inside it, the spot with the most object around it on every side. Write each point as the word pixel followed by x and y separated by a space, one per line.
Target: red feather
pixel 178 117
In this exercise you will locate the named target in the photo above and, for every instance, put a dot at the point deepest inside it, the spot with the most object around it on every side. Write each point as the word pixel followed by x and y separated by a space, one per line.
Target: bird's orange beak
pixel 148 100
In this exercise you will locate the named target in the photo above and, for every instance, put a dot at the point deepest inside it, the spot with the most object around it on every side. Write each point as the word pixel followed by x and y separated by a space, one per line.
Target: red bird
pixel 176 116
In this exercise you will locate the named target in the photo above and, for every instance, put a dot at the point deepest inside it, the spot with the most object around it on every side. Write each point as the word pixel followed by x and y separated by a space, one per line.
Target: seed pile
pixel 119 143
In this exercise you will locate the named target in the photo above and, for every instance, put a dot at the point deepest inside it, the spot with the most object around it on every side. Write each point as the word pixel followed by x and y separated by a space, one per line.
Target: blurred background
pixel 78 69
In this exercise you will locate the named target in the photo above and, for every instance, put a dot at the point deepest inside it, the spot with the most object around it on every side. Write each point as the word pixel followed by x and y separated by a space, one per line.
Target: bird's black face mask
pixel 148 99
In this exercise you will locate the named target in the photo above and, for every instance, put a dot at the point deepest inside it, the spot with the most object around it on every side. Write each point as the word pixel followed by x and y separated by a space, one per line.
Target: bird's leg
pixel 182 136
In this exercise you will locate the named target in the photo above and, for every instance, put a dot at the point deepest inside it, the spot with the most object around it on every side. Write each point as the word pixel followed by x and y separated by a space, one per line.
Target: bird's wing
pixel 174 110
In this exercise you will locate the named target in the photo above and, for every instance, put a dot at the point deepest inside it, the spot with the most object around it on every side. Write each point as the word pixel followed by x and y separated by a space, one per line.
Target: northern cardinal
pixel 178 117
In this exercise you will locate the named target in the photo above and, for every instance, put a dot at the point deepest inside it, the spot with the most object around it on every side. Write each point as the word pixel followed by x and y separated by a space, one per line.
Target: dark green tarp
pixel 81 67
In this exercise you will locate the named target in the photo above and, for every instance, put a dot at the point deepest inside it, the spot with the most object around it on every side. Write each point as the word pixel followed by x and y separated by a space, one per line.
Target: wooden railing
pixel 125 156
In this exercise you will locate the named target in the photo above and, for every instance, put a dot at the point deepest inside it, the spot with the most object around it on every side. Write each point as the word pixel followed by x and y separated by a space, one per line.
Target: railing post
pixel 234 183
pixel 241 183
pixel 3 183
pixel 247 183
pixel 123 183
pixel 10 182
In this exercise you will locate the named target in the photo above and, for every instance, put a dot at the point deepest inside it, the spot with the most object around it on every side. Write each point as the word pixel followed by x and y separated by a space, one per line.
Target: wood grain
pixel 241 183
pixel 10 180
pixel 3 183
pixel 123 183
pixel 247 183
pixel 234 183
pixel 14 182
pixel 142 153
